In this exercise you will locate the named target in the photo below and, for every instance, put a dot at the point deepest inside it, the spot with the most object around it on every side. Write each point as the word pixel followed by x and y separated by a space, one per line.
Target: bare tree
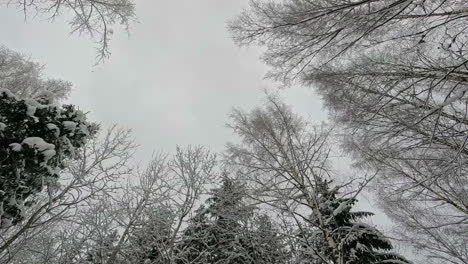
pixel 194 170
pixel 394 75
pixel 406 118
pixel 93 176
pixel 152 190
pixel 274 166
pixel 144 213
pixel 24 78
pixel 96 18
pixel 301 35
pixel 99 230
pixel 283 155
pixel 286 161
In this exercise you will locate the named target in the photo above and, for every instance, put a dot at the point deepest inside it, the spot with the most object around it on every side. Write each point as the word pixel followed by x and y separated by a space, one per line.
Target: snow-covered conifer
pixel 340 236
pixel 36 139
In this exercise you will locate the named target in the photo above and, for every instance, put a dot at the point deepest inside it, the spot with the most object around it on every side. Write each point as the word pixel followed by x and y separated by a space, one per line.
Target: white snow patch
pixel 55 128
pixel 7 92
pixel 84 129
pixel 49 96
pixel 52 170
pixel 15 147
pixel 32 105
pixel 80 116
pixel 49 153
pixel 69 125
pixel 340 208
pixel 51 126
pixel 38 143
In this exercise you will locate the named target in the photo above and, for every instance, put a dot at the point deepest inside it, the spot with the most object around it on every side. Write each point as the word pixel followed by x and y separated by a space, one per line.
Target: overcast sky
pixel 173 80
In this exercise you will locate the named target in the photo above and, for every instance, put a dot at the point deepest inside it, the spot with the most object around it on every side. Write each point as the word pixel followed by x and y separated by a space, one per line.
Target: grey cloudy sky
pixel 173 80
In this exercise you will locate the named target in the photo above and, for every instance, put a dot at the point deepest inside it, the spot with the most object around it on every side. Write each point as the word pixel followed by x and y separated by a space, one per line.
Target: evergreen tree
pixel 230 215
pixel 149 243
pixel 222 232
pixel 265 243
pixel 342 238
pixel 217 232
pixel 36 138
pixel 197 240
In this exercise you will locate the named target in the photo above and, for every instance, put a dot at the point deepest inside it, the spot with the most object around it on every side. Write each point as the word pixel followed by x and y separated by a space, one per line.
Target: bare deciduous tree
pixel 91 177
pixel 96 18
pixel 394 75
pixel 177 185
pixel 24 78
pixel 143 212
pixel 302 34
pixel 286 161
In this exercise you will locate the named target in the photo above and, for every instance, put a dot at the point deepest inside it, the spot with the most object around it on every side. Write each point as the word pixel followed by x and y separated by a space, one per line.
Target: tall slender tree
pixel 286 161
pixel 393 74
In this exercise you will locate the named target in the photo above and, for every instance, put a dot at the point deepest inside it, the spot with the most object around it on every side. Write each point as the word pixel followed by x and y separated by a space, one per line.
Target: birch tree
pixel 301 35
pixel 393 75
pixel 286 161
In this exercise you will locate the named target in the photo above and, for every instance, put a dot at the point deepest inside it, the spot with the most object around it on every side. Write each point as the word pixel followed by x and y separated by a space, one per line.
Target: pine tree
pixel 342 238
pixel 225 231
pixel 217 232
pixel 265 243
pixel 230 215
pixel 36 138
pixel 197 240
pixel 149 242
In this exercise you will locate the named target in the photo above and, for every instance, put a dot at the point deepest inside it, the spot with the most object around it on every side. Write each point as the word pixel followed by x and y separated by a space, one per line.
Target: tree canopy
pixel 393 76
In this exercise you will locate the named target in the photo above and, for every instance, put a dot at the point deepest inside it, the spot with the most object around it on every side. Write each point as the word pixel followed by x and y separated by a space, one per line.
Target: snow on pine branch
pixel 36 137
